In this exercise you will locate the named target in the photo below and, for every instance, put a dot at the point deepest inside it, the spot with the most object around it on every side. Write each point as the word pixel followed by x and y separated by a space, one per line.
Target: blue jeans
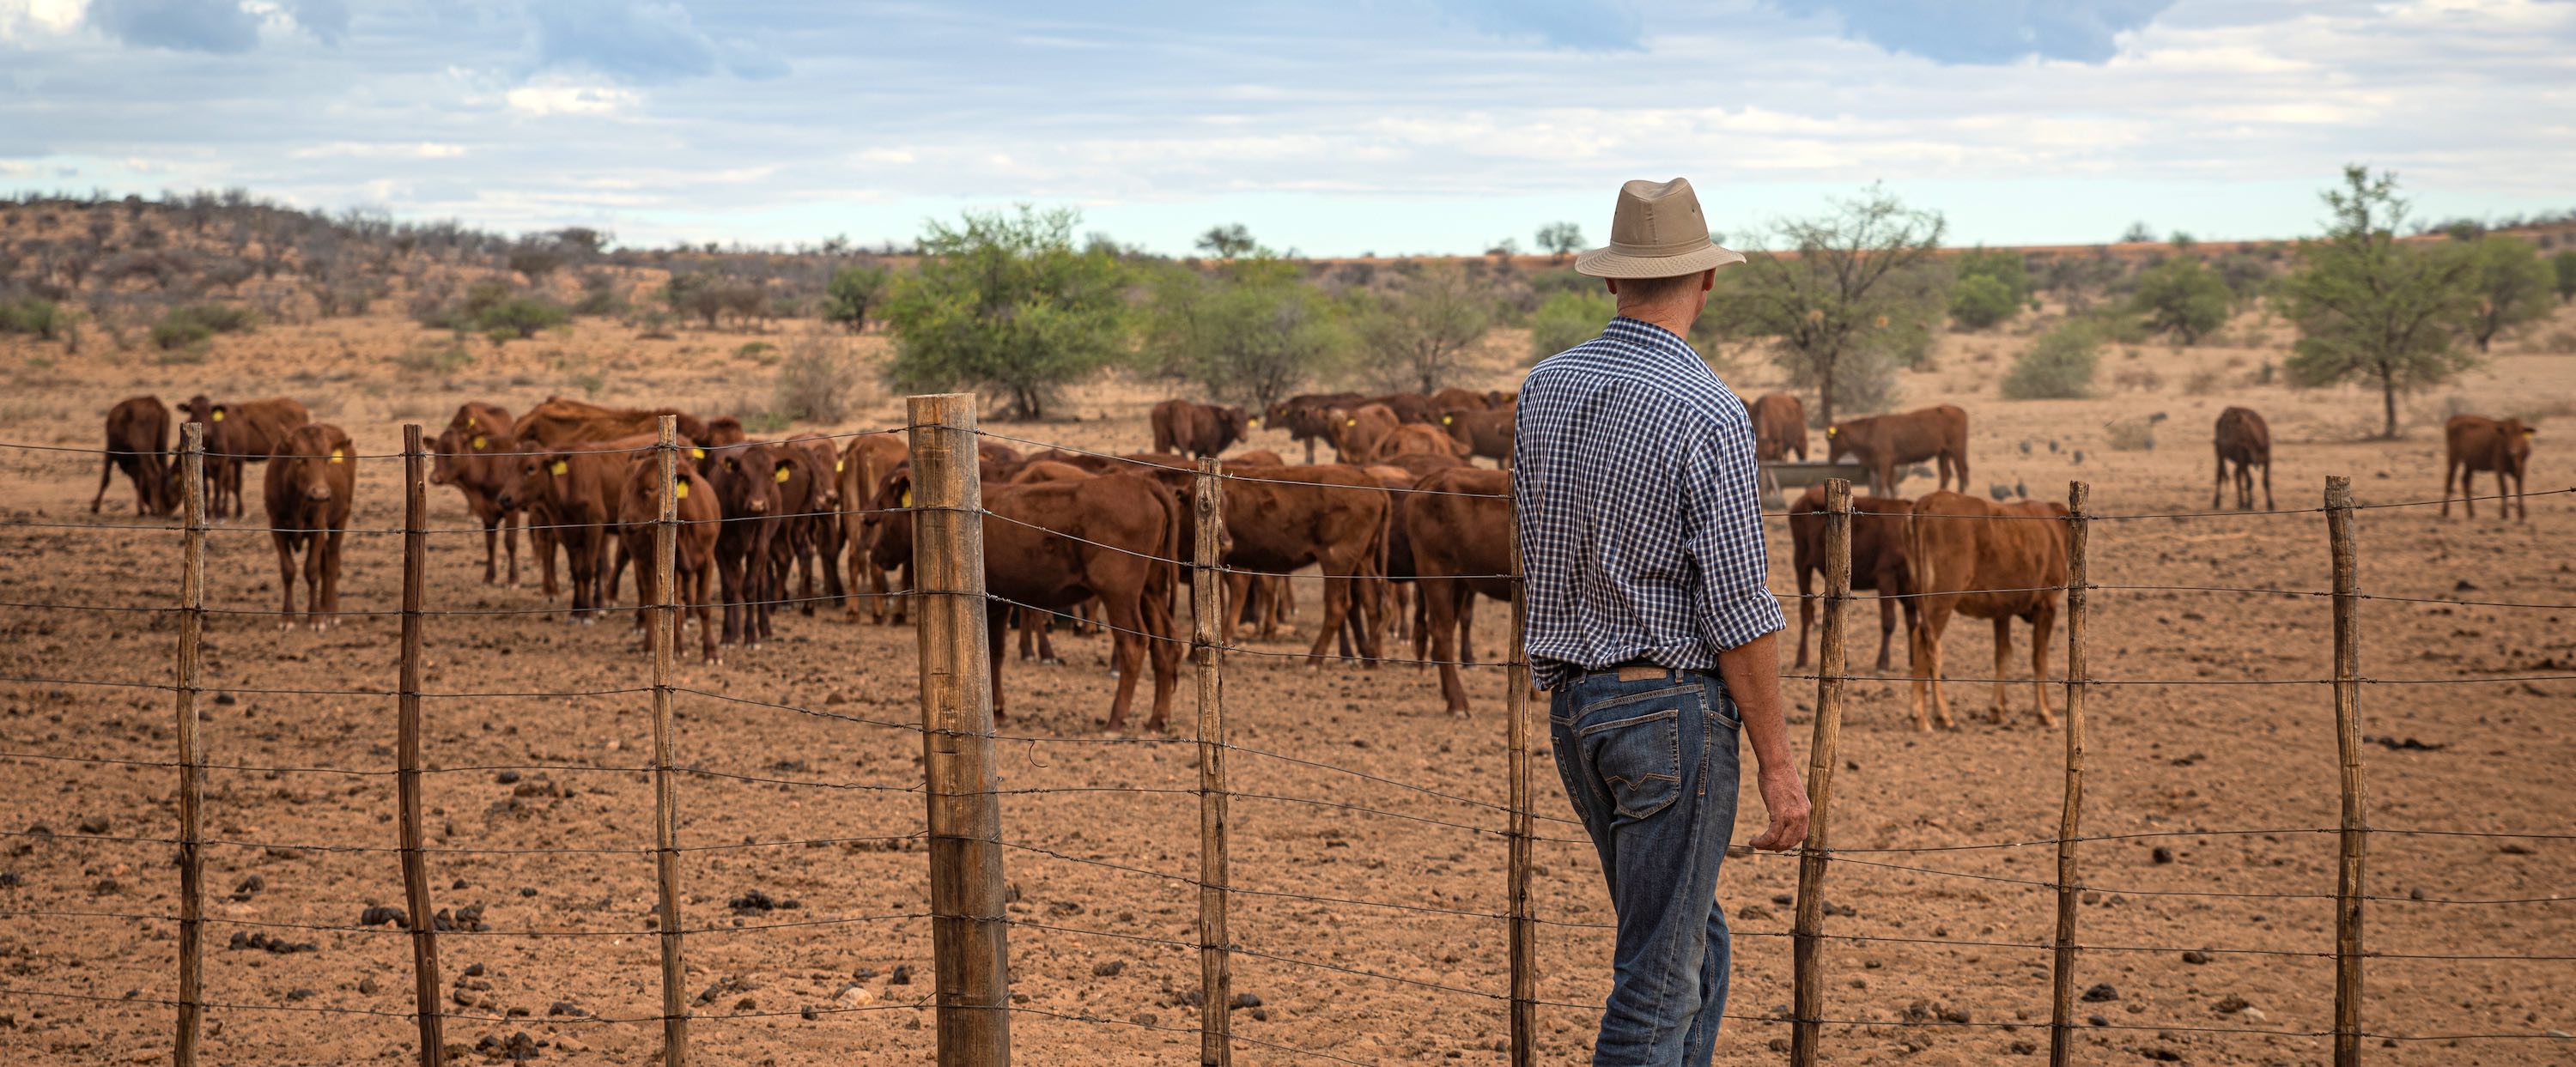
pixel 1651 766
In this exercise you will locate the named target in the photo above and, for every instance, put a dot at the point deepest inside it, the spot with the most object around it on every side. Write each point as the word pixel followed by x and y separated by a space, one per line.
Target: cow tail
pixel 1172 545
pixel 1918 564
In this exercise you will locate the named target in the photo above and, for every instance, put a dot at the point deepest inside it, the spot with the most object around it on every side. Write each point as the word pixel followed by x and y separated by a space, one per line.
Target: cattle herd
pixel 1403 526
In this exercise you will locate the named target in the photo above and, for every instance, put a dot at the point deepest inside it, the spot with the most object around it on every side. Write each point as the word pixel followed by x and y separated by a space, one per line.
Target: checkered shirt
pixel 1640 520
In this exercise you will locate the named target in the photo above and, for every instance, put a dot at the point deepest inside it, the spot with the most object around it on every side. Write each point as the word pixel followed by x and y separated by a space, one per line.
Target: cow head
pixel 746 478
pixel 1237 423
pixel 889 523
pixel 723 430
pixel 455 448
pixel 525 479
pixel 200 409
pixel 2517 441
pixel 310 460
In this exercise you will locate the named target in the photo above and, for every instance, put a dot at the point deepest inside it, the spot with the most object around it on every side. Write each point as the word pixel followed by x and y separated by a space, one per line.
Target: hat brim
pixel 1612 263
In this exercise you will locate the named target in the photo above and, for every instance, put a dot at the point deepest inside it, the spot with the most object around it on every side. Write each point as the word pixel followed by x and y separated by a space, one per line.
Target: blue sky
pixel 1335 127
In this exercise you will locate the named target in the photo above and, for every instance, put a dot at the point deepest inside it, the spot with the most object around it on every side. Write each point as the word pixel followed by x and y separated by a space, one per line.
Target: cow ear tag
pixel 335 455
pixel 1446 419
pixel 779 475
pixel 697 453
pixel 478 442
pixel 558 467
pixel 680 490
pixel 839 466
pixel 907 498
pixel 219 414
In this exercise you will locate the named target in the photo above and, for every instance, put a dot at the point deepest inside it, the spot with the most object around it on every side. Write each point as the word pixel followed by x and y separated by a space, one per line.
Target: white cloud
pixel 26 18
pixel 560 99
pixel 376 150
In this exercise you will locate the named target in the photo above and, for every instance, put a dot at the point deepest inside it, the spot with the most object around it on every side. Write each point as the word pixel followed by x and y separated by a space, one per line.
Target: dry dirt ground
pixel 1357 788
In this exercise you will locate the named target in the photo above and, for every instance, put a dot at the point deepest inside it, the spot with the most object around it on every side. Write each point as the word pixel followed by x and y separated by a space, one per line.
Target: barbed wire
pixel 427 437
pixel 461 931
pixel 563 1020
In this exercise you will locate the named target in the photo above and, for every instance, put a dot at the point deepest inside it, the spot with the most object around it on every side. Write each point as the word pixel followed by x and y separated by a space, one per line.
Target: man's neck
pixel 1674 319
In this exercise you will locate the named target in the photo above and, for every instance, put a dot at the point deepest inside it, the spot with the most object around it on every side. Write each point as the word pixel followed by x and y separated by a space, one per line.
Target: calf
pixel 312 477
pixel 1884 442
pixel 1779 427
pixel 1483 432
pixel 2243 439
pixel 1307 417
pixel 221 468
pixel 473 454
pixel 865 464
pixel 1984 561
pixel 1877 559
pixel 1331 516
pixel 810 507
pixel 1357 431
pixel 1197 429
pixel 693 545
pixel 1460 527
pixel 2478 443
pixel 238 434
pixel 746 481
pixel 576 491
pixel 138 443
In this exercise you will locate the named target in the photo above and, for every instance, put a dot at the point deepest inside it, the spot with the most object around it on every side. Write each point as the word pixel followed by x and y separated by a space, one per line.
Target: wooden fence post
pixel 969 931
pixel 192 755
pixel 415 870
pixel 666 810
pixel 2070 814
pixel 1216 966
pixel 1807 981
pixel 2356 815
pixel 1524 927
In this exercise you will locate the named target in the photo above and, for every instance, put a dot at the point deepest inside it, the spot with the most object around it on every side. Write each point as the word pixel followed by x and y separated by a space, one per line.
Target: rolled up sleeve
pixel 1722 518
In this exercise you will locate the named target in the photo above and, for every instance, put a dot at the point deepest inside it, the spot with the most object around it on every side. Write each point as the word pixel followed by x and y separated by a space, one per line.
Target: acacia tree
pixel 1250 330
pixel 1843 295
pixel 1004 301
pixel 2507 280
pixel 1418 336
pixel 1560 239
pixel 2370 308
pixel 1227 241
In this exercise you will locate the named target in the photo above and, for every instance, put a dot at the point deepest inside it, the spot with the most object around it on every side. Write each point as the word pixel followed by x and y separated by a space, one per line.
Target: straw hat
pixel 1657 232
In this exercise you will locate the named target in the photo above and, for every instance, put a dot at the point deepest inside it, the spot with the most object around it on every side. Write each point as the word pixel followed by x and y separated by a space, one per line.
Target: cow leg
pixel 510 523
pixel 617 574
pixel 697 586
pixel 313 581
pixel 1466 623
pixel 1886 630
pixel 829 562
pixel 997 617
pixel 1962 460
pixel 1020 622
pixel 1442 595
pixel 1310 451
pixel 1165 650
pixel 106 472
pixel 2003 663
pixel 2267 486
pixel 2040 623
pixel 1337 606
pixel 1045 623
pixel 285 543
pixel 2449 468
pixel 1421 624
pixel 2221 484
pixel 1127 653
pixel 1238 590
pixel 491 546
pixel 2504 504
pixel 729 575
pixel 541 539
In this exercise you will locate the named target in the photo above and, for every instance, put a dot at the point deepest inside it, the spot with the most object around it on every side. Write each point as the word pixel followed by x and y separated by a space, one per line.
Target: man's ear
pixel 1708 280
pixel 1613 283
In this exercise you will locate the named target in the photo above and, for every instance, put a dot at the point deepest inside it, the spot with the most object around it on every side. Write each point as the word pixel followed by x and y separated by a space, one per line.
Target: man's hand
pixel 1787 800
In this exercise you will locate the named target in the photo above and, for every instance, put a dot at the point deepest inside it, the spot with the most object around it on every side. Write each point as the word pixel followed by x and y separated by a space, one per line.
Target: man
pixel 1641 539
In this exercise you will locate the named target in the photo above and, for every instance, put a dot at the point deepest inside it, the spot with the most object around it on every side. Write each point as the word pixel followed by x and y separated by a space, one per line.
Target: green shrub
pixel 519 318
pixel 189 325
pixel 1569 318
pixel 28 314
pixel 753 349
pixel 817 383
pixel 2059 365
pixel 1978 301
pixel 853 292
pixel 2184 298
pixel 2564 266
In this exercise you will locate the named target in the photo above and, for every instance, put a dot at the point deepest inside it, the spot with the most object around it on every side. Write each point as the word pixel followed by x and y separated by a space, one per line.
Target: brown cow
pixel 138 443
pixel 221 467
pixel 473 454
pixel 312 478
pixel 246 432
pixel 1984 561
pixel 1456 399
pixel 1357 431
pixel 2245 440
pixel 1417 439
pixel 1408 407
pixel 864 466
pixel 1259 457
pixel 1877 559
pixel 577 492
pixel 813 521
pixel 1779 427
pixel 1884 442
pixel 2478 443
pixel 1197 429
pixel 693 545
pixel 1307 416
pixel 1401 613
pixel 1333 516
pixel 745 477
pixel 725 430
pixel 559 422
pixel 1483 432
pixel 1461 530
pixel 1419 464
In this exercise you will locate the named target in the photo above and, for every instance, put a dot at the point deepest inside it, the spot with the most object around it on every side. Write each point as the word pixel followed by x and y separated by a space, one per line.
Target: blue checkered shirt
pixel 1640 520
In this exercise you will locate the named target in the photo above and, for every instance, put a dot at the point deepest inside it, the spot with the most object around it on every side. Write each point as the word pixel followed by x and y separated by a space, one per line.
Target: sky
pixel 1328 127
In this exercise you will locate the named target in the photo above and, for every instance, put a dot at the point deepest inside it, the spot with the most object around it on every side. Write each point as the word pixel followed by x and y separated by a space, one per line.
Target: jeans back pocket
pixel 1638 758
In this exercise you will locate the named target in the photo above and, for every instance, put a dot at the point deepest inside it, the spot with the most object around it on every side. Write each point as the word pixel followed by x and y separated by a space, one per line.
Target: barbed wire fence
pixel 967 845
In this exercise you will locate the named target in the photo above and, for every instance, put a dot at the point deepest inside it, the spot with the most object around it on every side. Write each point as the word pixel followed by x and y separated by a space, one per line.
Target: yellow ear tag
pixel 335 455
pixel 697 453
pixel 558 467
pixel 840 466
pixel 219 414
pixel 478 442
pixel 1352 422
pixel 779 475
pixel 907 499
pixel 680 490
pixel 1447 419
